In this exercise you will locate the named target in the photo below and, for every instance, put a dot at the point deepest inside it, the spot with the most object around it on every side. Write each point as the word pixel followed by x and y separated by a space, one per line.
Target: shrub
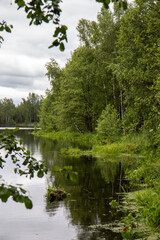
pixel 108 124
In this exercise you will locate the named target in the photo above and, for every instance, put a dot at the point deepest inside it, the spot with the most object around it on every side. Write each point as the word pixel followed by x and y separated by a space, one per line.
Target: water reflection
pixel 98 182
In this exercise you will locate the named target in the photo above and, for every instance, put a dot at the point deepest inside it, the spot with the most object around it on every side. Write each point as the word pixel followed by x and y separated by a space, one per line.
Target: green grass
pixel 149 206
pixel 83 140
pixel 134 144
pixel 130 144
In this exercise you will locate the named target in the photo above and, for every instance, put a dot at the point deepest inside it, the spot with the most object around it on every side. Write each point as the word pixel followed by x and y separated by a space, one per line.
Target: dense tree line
pixel 26 112
pixel 113 74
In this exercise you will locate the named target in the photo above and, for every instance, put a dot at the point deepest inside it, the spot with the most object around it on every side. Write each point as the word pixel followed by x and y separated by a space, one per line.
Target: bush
pixel 108 124
pixel 149 202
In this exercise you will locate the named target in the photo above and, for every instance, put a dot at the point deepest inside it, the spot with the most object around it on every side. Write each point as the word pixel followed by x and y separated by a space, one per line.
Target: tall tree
pixel 48 114
pixel 7 111
pixel 28 109
pixel 137 66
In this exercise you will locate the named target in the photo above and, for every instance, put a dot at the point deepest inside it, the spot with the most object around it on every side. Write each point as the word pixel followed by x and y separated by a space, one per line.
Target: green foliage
pixel 86 140
pixel 147 172
pixel 73 102
pixel 39 11
pixel 24 164
pixel 26 112
pixel 114 204
pixel 128 231
pixel 136 65
pixel 71 151
pixel 4 27
pixel 7 111
pixel 108 124
pixel 82 89
pixel 78 108
pixel 122 3
pixel 48 112
pixel 17 194
pixel 60 34
pixel 149 206
pixel 28 109
pixel 44 12
pixel 19 156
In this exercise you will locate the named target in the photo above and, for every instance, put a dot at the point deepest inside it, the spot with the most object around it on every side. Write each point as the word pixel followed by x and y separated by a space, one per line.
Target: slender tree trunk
pixel 114 95
pixel 105 94
pixel 104 85
pixel 76 126
pixel 121 107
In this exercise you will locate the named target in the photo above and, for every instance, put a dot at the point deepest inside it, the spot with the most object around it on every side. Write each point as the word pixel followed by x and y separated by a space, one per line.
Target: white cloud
pixel 25 52
pixel 17 94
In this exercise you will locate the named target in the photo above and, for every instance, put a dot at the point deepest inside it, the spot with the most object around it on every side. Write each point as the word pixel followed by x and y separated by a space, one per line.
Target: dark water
pixel 97 183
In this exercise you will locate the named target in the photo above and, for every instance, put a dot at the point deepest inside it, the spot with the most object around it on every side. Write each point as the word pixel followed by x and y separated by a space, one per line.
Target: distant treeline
pixel 25 113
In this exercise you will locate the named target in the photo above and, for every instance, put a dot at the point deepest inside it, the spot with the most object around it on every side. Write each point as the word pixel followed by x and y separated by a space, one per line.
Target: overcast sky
pixel 25 52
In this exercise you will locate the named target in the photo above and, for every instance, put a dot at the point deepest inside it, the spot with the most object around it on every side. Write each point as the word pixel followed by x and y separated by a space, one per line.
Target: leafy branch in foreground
pixel 4 27
pixel 39 11
pixel 24 164
pixel 17 194
pixel 122 3
pixel 42 11
pixel 45 11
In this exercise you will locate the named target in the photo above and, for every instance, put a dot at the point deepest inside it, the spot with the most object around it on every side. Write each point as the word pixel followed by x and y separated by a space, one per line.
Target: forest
pixel 110 84
pixel 26 112
pixel 108 94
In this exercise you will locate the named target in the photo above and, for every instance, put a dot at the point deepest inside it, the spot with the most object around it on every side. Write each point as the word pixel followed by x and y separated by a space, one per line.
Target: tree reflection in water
pixel 98 182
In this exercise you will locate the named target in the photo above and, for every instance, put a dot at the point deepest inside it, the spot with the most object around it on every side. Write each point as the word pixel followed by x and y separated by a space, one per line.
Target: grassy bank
pixel 92 144
pixel 72 139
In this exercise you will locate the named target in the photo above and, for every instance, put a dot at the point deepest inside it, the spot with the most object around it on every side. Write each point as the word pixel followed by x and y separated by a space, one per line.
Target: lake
pixel 82 215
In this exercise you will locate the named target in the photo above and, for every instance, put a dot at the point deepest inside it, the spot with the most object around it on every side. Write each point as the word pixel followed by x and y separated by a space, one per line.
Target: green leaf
pixel 57 31
pixel 63 29
pixel 28 203
pixel 40 174
pixel 4 198
pixel 23 190
pixel 56 43
pixel 29 15
pixel 20 3
pixel 1 28
pixel 7 29
pixel 25 162
pixel 61 47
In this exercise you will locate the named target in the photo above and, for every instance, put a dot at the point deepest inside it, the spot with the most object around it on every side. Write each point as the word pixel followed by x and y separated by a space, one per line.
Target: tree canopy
pixel 116 64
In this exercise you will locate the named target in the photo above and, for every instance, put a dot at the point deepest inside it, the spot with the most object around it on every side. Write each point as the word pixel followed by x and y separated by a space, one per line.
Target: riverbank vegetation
pixel 107 97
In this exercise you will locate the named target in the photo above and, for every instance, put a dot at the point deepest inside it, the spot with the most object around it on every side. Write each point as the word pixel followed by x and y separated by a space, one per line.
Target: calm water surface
pixel 98 182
